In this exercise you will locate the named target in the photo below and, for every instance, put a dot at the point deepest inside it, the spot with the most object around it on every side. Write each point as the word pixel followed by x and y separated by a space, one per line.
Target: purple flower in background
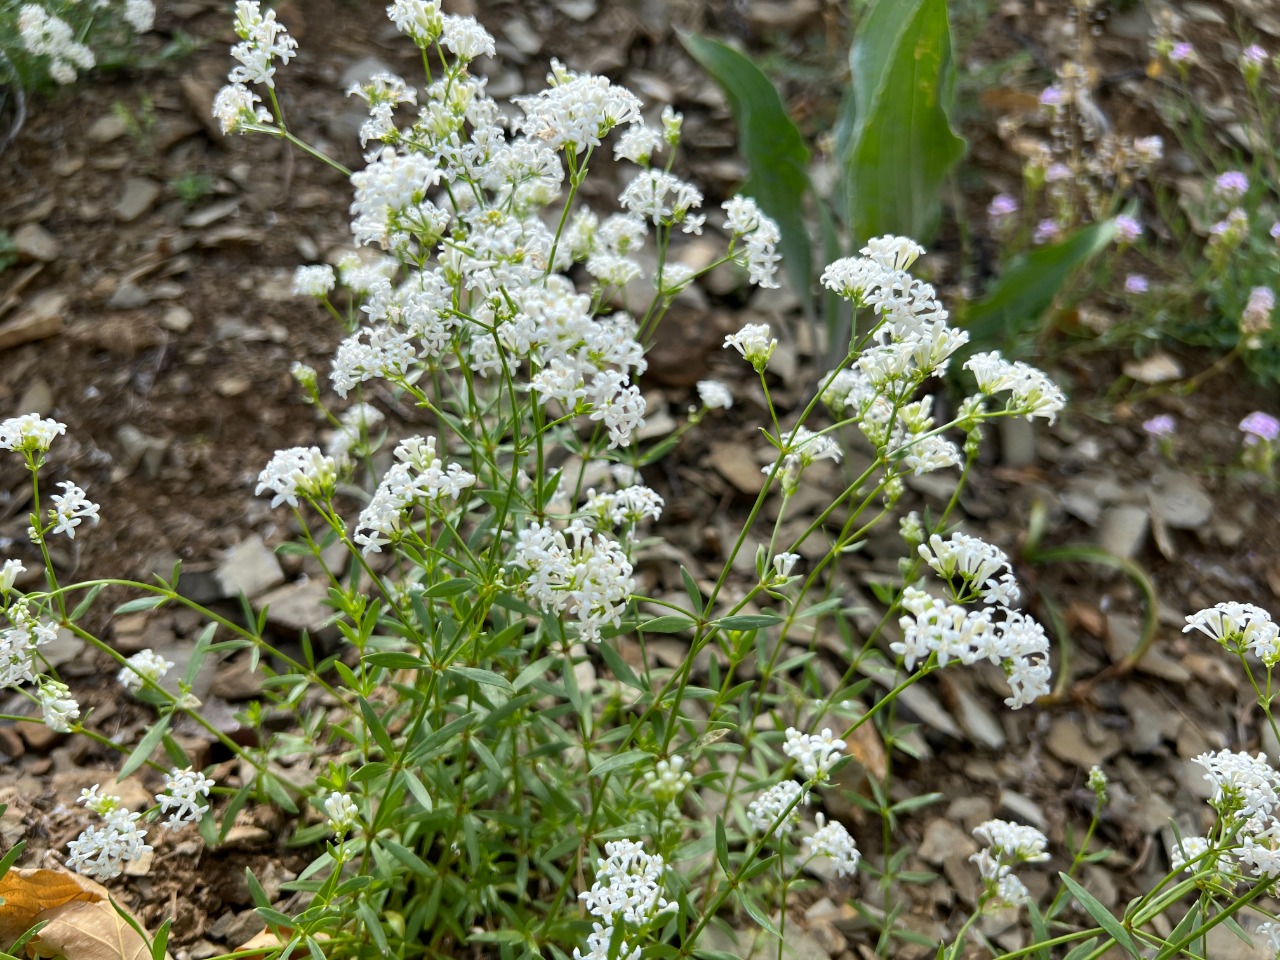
pixel 1275 231
pixel 1052 96
pixel 1231 186
pixel 1127 229
pixel 1046 232
pixel 1057 173
pixel 1254 54
pixel 1002 205
pixel 1161 425
pixel 1182 53
pixel 1259 427
pixel 1136 283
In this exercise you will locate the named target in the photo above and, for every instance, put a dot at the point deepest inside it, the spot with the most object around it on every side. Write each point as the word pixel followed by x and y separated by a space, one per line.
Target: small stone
pixel 1017 442
pixel 251 568
pixel 1159 367
pixel 177 318
pixel 943 840
pixel 34 242
pixel 1067 742
pixel 128 296
pixel 237 928
pixel 235 682
pixel 1123 530
pixel 139 195
pixel 1178 500
pixel 1022 809
pixel 580 10
pixel 138 449
pixel 299 606
pixel 246 836
pixel 37 398
pixel 735 462
pixel 233 386
pixel 107 128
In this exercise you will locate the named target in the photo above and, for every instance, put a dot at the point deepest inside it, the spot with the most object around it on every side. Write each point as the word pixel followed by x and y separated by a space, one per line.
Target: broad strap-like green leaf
pixel 901 146
pixel 777 158
pixel 1029 286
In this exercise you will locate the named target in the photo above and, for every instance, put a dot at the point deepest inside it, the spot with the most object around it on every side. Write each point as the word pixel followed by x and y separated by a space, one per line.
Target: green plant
pixel 192 187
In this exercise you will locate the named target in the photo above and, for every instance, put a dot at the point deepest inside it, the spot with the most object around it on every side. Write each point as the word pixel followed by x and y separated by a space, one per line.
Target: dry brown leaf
pixel 266 942
pixel 80 930
pixel 29 893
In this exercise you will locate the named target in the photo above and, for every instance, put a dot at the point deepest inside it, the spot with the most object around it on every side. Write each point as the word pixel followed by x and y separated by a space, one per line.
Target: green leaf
pixel 449 588
pixel 668 624
pixel 1029 286
pixel 145 747
pixel 142 603
pixel 916 803
pixel 777 159
pixel 758 915
pixel 619 667
pixel 83 606
pixel 748 621
pixel 476 675
pixel 1082 951
pixel 1039 930
pixel 373 723
pixel 396 660
pixel 1104 917
pixel 722 846
pixel 619 761
pixel 900 145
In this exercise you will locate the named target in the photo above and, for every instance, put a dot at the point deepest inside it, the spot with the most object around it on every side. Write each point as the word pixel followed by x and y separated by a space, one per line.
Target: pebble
pixel 1067 742
pixel 139 194
pixel 128 296
pixel 298 606
pixel 250 568
pixel 1017 442
pixel 735 463
pixel 106 128
pixel 178 319
pixel 1022 809
pixel 1123 530
pixel 237 928
pixel 34 242
pixel 42 318
pixel 37 398
pixel 1178 500
pixel 943 840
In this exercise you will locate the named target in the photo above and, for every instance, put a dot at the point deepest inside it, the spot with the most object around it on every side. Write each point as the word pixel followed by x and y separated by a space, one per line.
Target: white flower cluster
pixel 815 752
pixel 714 395
pixel 102 851
pixel 625 507
pixel 945 632
pixel 357 424
pixel 1239 627
pixel 263 40
pixel 45 35
pixel 627 889
pixel 313 281
pixel 760 237
pixel 754 342
pixel 70 508
pixel 143 666
pixel 29 433
pixel 57 706
pixel 182 800
pixel 1007 845
pixel 576 110
pixel 297 472
pixel 772 805
pixel 9 574
pixel 18 645
pixel 341 813
pixel 832 841
pixel 911 342
pixel 668 779
pixel 576 572
pixel 981 568
pixel 1186 853
pixel 419 477
pixel 1031 393
pixel 1246 796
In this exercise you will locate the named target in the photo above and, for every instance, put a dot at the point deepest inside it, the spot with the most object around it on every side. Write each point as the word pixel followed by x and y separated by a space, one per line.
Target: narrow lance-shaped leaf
pixel 777 159
pixel 901 145
pixel 1029 286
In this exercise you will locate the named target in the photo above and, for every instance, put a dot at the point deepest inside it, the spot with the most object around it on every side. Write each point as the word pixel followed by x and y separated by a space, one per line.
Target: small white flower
pixel 70 507
pixel 815 752
pixel 313 281
pixel 57 705
pixel 9 574
pixel 832 840
pixel 784 563
pixel 185 789
pixel 754 342
pixel 144 664
pixel 29 433
pixel 668 779
pixel 297 472
pixel 714 395
pixel 101 852
pixel 342 813
pixel 768 808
